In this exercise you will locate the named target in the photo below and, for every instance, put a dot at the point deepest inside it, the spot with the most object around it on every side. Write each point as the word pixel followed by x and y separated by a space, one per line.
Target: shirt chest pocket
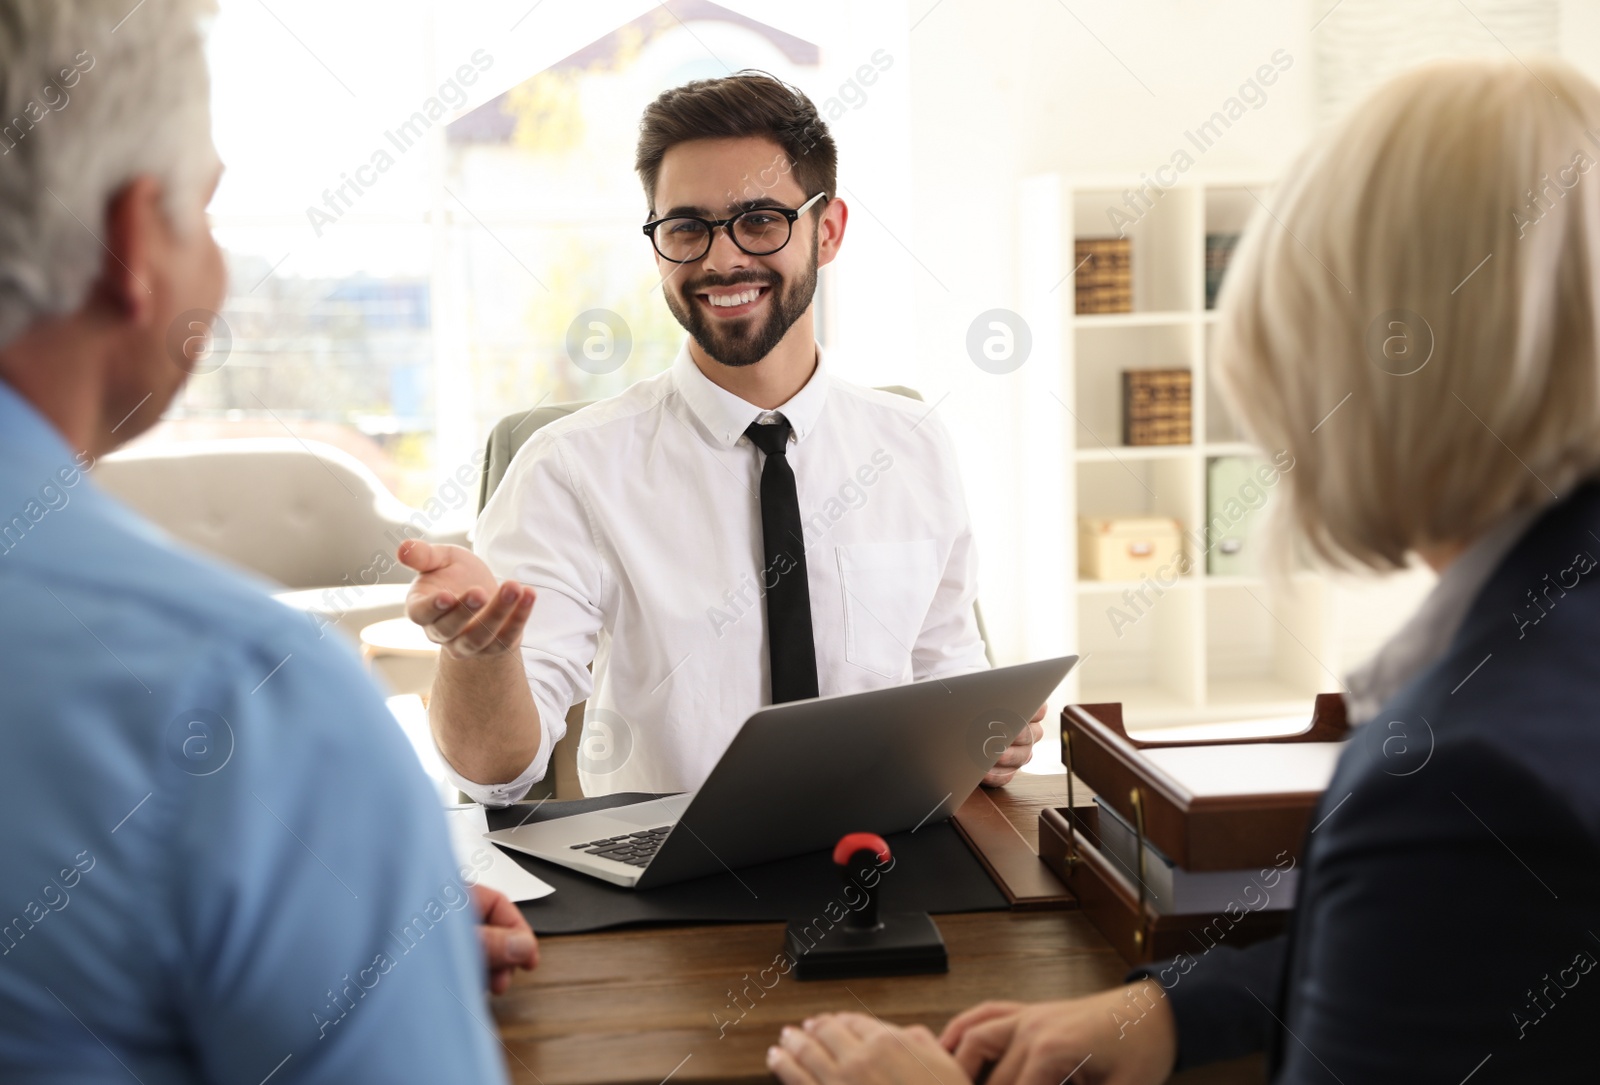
pixel 888 588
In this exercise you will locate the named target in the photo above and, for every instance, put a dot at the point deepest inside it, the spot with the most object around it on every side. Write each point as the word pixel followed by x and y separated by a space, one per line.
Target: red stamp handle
pixel 851 843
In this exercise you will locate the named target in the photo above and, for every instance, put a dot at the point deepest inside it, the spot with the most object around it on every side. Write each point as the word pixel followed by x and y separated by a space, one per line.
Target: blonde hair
pixel 1414 321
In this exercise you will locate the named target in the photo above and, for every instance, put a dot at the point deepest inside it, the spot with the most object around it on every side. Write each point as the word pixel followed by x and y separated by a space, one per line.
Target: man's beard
pixel 738 343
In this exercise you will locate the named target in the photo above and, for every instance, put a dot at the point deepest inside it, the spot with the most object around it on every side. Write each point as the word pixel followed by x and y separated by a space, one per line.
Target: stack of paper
pixel 484 862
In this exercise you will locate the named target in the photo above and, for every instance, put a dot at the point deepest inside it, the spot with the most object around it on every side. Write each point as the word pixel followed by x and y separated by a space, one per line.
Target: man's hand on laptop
pixel 1017 754
pixel 456 599
pixel 508 941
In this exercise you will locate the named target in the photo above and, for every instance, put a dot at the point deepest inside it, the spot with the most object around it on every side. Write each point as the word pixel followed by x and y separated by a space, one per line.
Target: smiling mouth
pixel 734 302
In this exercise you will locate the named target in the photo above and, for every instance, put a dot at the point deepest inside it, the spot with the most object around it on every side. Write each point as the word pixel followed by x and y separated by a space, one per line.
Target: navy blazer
pixel 1447 926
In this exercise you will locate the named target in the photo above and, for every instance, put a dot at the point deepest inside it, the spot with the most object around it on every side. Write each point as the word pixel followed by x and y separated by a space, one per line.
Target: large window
pixel 431 224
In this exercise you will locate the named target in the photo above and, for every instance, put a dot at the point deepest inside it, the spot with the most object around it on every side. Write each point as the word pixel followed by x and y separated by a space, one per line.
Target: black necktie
pixel 789 643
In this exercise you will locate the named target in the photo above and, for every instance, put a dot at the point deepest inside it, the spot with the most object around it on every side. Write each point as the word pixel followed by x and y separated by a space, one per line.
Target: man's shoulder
pixel 894 401
pixel 131 632
pixel 902 424
pixel 600 419
pixel 142 586
pixel 898 409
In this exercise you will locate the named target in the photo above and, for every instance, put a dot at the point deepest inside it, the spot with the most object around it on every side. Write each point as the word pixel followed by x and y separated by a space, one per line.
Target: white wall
pixel 1011 88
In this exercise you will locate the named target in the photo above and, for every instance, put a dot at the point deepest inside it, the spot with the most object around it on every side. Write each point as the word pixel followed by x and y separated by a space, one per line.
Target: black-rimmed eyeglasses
pixel 760 231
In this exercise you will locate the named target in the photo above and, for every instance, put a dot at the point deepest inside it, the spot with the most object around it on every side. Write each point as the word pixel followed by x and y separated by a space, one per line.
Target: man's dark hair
pixel 744 104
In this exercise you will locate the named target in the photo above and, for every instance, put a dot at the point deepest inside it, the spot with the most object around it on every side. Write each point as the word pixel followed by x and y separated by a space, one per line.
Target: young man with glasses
pixel 742 529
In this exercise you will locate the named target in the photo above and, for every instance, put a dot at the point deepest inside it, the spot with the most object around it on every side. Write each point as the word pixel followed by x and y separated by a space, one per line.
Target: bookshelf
pixel 1204 648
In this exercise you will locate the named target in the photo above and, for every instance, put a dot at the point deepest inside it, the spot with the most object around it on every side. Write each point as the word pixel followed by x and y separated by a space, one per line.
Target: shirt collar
pixel 1426 637
pixel 725 416
pixel 25 431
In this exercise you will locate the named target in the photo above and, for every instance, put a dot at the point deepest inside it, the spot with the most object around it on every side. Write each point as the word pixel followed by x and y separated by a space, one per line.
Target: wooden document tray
pixel 1197 832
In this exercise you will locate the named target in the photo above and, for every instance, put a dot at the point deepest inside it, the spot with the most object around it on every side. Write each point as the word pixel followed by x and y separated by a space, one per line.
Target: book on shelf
pixel 1219 253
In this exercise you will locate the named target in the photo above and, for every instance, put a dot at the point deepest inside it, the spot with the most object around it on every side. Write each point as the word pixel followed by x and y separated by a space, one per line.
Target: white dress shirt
pixel 1427 635
pixel 638 522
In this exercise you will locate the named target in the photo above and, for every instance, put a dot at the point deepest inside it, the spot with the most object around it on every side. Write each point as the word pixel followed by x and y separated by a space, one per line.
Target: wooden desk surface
pixel 641 1005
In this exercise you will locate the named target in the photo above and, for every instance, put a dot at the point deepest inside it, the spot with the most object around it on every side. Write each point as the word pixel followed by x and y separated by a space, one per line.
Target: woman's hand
pixel 853 1049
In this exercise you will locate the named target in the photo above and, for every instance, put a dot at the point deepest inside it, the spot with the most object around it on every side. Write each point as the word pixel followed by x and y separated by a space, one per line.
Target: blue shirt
pixel 221 860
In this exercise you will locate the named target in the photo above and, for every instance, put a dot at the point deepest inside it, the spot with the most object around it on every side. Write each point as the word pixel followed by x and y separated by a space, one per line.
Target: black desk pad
pixel 934 871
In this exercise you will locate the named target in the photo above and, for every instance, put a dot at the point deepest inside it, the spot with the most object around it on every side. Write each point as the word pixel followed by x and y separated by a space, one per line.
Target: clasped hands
pixel 1124 1036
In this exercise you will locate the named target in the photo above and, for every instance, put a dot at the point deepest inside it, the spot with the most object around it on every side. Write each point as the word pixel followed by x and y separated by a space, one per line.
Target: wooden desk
pixel 642 1005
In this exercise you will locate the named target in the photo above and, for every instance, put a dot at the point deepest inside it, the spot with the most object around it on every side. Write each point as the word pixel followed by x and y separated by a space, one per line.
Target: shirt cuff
pixel 507 793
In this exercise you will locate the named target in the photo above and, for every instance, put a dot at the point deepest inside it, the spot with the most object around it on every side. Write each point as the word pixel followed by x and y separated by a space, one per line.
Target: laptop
pixel 800 775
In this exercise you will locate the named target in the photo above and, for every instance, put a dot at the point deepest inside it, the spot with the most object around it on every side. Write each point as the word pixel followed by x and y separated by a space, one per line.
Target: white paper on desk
pixel 467 826
pixel 1250 769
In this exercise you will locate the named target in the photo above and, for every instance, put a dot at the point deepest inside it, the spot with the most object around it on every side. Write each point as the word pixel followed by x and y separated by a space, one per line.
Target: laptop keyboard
pixel 634 849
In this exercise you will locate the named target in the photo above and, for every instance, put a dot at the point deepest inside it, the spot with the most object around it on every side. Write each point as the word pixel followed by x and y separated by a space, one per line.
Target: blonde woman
pixel 1416 323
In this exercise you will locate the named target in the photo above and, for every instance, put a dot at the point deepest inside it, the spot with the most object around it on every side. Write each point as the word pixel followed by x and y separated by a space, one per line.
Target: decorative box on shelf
pixel 1127 547
pixel 1221 823
pixel 1104 277
pixel 1236 492
pixel 1156 406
